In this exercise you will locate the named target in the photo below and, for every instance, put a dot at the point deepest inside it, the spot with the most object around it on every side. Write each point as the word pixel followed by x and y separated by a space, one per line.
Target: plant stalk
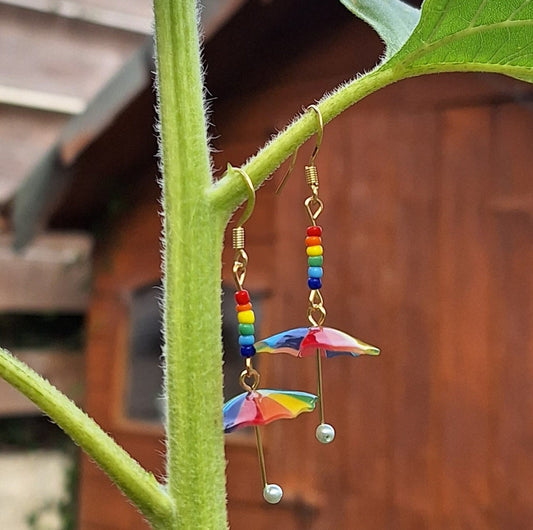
pixel 193 233
pixel 139 485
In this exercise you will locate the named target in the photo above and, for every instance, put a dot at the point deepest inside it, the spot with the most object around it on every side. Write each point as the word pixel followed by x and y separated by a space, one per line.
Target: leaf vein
pixel 477 14
pixel 439 22
pixel 518 9
pixel 463 33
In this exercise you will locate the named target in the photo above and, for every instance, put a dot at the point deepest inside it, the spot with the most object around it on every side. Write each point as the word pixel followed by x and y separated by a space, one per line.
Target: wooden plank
pixel 463 380
pixel 25 136
pixel 512 309
pixel 49 53
pixel 405 254
pixel 64 369
pixel 52 274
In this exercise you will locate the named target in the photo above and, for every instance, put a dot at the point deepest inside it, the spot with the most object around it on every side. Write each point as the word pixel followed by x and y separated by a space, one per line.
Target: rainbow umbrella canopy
pixel 304 342
pixel 260 407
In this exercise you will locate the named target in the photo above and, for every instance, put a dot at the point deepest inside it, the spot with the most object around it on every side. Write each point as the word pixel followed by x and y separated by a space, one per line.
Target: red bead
pixel 314 231
pixel 313 241
pixel 243 307
pixel 242 297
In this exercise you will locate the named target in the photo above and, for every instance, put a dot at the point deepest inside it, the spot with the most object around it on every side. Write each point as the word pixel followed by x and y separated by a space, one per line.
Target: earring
pixel 256 407
pixel 315 340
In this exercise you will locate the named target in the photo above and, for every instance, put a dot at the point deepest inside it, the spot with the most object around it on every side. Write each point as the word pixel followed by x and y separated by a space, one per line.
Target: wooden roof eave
pixel 45 185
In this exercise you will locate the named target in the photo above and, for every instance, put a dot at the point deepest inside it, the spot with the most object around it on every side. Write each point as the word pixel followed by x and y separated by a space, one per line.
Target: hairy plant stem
pixel 226 195
pixel 193 234
pixel 139 485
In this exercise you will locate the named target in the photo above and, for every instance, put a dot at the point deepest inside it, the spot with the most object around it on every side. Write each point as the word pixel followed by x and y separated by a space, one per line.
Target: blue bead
pixel 315 272
pixel 246 340
pixel 247 351
pixel 314 283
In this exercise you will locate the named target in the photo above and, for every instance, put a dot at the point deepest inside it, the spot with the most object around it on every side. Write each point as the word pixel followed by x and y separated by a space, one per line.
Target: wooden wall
pixel 428 253
pixel 428 239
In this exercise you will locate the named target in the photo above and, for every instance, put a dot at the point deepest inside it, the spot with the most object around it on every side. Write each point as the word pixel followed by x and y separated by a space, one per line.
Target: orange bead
pixel 313 241
pixel 243 307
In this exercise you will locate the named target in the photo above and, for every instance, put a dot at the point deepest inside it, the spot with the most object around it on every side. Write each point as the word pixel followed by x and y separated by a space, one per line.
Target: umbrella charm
pixel 303 342
pixel 315 340
pixel 259 407
pixel 256 407
pixel 324 343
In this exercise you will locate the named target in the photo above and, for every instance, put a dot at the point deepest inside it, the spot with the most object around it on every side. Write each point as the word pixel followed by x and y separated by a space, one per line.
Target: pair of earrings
pixel 258 407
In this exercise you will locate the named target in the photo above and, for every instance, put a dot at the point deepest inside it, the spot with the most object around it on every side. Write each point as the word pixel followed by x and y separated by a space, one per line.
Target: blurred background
pixel 428 254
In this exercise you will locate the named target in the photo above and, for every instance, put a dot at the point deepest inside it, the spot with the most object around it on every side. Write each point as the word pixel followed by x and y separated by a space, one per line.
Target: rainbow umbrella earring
pixel 315 339
pixel 256 407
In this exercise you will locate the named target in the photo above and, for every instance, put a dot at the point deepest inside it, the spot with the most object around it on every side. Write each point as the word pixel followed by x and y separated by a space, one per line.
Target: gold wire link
pixel 249 373
pixel 314 207
pixel 316 312
pixel 240 263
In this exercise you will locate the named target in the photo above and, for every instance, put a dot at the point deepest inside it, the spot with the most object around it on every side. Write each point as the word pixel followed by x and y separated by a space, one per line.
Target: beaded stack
pixel 246 319
pixel 315 258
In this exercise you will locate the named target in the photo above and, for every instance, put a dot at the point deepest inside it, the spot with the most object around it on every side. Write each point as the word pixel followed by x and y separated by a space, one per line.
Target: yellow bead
pixel 246 317
pixel 315 250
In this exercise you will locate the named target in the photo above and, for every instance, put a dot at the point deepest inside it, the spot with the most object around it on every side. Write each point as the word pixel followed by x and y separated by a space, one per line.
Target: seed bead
pixel 314 283
pixel 246 340
pixel 242 297
pixel 247 351
pixel 315 261
pixel 315 250
pixel 246 317
pixel 246 329
pixel 315 272
pixel 314 231
pixel 312 241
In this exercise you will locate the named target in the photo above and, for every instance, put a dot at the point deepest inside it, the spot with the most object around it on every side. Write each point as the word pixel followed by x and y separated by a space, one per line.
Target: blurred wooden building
pixel 429 247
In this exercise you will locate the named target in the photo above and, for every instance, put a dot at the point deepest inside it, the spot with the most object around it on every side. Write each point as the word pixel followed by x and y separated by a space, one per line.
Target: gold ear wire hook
pixel 250 205
pixel 240 261
pixel 319 136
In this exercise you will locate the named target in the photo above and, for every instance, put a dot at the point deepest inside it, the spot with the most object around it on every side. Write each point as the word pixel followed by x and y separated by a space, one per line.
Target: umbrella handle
pixel 272 493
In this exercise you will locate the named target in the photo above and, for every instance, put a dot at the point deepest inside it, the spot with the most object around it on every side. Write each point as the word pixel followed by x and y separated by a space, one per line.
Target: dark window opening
pixel 144 388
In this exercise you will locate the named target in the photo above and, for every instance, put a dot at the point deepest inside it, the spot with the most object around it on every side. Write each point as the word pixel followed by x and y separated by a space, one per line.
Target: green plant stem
pixel 139 485
pixel 192 265
pixel 226 195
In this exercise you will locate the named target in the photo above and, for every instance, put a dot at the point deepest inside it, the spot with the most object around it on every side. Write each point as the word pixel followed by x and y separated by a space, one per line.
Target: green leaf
pixel 470 35
pixel 393 20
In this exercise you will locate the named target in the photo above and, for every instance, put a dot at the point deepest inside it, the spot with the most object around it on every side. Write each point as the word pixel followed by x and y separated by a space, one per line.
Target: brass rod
pixel 319 378
pixel 261 455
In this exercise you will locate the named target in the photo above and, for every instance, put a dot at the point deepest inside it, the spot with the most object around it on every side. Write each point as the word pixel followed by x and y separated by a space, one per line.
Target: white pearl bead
pixel 325 433
pixel 272 493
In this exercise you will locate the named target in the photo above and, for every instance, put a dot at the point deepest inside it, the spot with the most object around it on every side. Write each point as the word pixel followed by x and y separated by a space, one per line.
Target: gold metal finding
pixel 238 238
pixel 240 260
pixel 249 374
pixel 250 204
pixel 314 207
pixel 319 136
pixel 319 385
pixel 311 176
pixel 316 312
pixel 261 455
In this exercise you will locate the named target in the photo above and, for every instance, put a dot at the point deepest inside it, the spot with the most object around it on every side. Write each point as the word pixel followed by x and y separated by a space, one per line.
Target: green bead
pixel 315 261
pixel 246 329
